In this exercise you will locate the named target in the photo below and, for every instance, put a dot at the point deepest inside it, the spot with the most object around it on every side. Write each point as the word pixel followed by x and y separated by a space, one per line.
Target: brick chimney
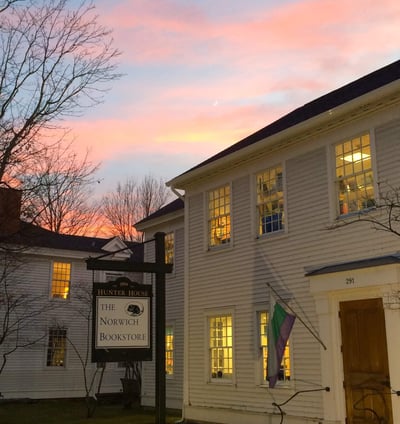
pixel 10 209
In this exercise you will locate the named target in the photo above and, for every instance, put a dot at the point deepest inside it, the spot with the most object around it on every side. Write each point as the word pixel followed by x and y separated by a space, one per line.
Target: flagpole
pixel 300 319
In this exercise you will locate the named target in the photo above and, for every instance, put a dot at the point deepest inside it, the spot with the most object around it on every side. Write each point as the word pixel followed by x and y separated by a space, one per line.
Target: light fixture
pixel 354 157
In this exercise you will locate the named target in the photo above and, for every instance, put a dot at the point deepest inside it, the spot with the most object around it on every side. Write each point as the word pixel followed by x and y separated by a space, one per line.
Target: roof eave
pixel 160 220
pixel 316 122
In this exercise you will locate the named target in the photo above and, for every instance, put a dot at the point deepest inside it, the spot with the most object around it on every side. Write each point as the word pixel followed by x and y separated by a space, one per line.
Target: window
pixel 354 176
pixel 169 350
pixel 56 349
pixel 219 216
pixel 61 280
pixel 270 208
pixel 169 248
pixel 221 348
pixel 285 371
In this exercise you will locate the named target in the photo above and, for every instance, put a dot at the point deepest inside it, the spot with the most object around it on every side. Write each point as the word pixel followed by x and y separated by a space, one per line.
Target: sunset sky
pixel 202 74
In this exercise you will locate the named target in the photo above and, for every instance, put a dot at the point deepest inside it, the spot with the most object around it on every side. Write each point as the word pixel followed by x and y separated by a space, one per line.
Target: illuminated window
pixel 354 176
pixel 219 216
pixel 284 374
pixel 221 348
pixel 270 208
pixel 169 248
pixel 61 280
pixel 56 349
pixel 169 350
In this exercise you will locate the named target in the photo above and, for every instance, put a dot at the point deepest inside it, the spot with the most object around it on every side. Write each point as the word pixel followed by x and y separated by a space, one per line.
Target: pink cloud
pixel 159 31
pixel 241 72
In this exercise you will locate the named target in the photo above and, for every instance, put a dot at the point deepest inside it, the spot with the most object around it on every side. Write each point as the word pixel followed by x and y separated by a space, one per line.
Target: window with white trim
pixel 354 175
pixel 61 280
pixel 57 346
pixel 285 370
pixel 221 346
pixel 219 216
pixel 270 201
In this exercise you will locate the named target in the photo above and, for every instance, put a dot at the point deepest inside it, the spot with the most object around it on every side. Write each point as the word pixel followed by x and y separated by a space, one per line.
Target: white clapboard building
pixel 287 214
pixel 45 295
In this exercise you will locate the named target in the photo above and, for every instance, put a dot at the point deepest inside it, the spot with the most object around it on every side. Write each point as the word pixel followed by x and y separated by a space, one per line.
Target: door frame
pixel 329 290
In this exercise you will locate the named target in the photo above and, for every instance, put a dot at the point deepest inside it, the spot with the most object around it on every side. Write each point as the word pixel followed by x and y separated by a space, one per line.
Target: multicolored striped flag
pixel 279 329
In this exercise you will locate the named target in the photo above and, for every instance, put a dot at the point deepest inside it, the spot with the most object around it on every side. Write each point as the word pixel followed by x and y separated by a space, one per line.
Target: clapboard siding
pixel 26 373
pixel 174 299
pixel 234 278
pixel 388 152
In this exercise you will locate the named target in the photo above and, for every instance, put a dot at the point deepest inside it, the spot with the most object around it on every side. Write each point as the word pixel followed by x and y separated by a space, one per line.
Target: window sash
pixel 285 369
pixel 219 216
pixel 61 280
pixel 354 175
pixel 169 350
pixel 221 347
pixel 56 349
pixel 169 248
pixel 270 200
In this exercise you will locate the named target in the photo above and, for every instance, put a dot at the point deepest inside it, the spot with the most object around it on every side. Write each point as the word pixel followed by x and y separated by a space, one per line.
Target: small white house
pixel 45 309
pixel 266 219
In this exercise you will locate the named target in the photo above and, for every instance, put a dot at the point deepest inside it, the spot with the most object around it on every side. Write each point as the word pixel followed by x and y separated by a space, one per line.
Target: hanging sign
pixel 121 321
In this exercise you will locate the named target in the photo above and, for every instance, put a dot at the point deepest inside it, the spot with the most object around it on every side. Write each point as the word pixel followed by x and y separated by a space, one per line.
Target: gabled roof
pixel 326 103
pixel 31 235
pixel 174 206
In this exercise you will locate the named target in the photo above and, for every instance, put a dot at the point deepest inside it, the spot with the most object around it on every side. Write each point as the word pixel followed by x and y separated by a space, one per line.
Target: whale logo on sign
pixel 134 309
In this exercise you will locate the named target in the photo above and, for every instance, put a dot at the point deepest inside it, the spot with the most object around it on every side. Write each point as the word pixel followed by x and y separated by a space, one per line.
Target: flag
pixel 279 328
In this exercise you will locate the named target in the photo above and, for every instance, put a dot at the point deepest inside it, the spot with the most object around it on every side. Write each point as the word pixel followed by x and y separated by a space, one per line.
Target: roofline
pixel 393 258
pixel 142 226
pixel 324 109
pixel 172 210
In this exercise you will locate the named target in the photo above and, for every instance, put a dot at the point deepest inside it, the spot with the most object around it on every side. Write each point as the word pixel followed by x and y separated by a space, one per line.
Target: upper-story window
pixel 61 280
pixel 169 248
pixel 270 202
pixel 354 175
pixel 219 216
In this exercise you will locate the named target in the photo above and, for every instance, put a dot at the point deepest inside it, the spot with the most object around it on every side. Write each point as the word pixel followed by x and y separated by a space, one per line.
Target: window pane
pixel 219 220
pixel 169 248
pixel 57 347
pixel 169 350
pixel 220 333
pixel 61 280
pixel 285 371
pixel 354 176
pixel 270 203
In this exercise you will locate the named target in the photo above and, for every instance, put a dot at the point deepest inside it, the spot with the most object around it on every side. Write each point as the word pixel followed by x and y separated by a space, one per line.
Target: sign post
pixel 122 328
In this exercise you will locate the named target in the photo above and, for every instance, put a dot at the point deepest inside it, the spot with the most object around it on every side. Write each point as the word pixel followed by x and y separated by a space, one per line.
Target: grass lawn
pixel 74 412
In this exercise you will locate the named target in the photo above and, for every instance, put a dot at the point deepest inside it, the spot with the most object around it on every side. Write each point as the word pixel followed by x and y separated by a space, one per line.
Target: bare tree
pixel 83 302
pixel 131 202
pixel 384 215
pixel 57 192
pixel 54 60
pixel 5 4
